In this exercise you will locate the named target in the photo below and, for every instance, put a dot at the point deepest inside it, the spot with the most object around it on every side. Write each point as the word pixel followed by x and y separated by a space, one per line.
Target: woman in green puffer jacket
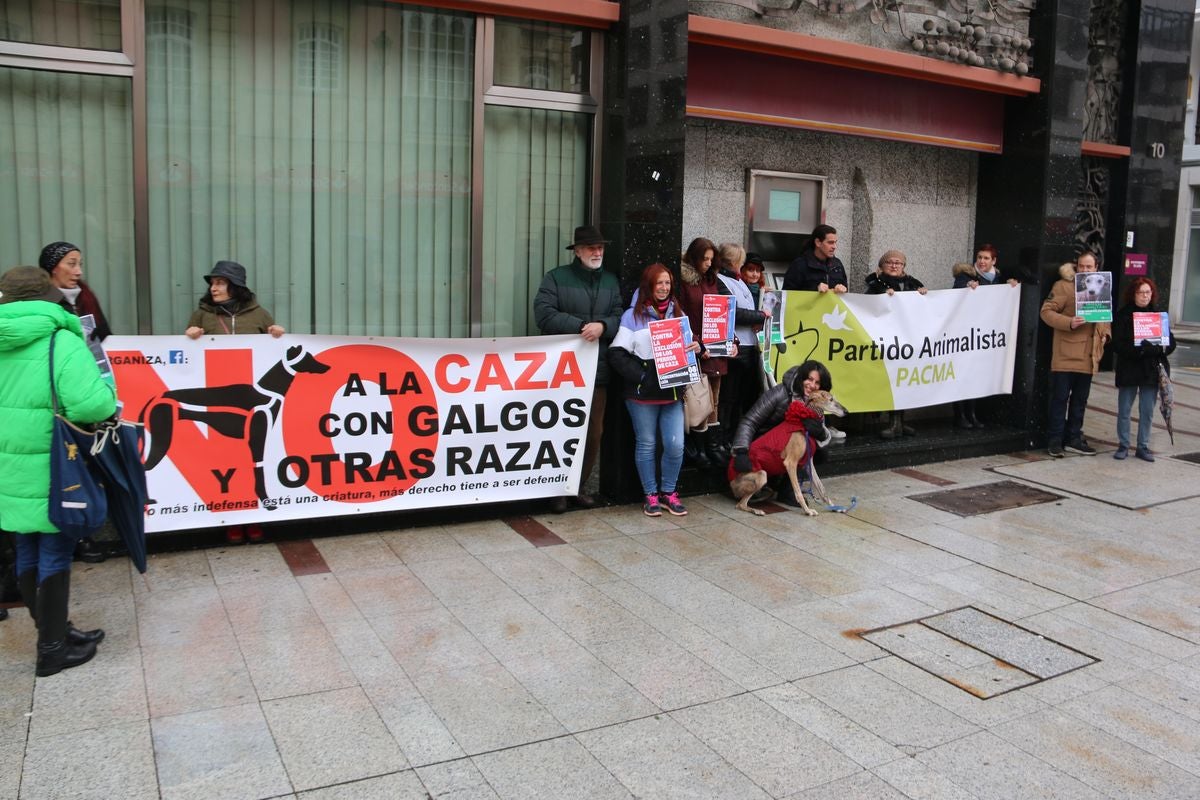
pixel 29 316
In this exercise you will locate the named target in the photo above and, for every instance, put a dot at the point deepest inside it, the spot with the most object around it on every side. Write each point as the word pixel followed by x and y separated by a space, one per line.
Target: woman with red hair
pixel 1137 362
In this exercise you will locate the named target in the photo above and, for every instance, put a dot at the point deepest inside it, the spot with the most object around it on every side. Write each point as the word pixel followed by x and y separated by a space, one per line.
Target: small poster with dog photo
pixel 1093 296
pixel 675 364
pixel 1151 327
pixel 716 325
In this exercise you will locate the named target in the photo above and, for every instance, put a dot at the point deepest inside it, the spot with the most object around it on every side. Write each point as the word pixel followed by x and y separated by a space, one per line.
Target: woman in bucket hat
pixel 30 315
pixel 229 306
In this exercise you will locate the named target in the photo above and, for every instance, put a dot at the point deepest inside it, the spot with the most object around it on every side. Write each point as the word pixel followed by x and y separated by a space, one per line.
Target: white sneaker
pixel 835 434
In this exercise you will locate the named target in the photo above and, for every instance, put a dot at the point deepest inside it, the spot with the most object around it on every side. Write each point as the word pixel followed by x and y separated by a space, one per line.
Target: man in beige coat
pixel 1077 348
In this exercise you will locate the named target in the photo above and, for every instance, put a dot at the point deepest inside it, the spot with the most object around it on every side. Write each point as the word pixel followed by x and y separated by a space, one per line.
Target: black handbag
pixel 77 503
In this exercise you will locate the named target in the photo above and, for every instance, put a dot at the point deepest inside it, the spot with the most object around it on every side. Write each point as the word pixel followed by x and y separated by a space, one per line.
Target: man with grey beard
pixel 583 298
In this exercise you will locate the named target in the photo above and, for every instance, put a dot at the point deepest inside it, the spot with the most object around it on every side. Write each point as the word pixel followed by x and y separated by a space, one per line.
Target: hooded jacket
pixel 1074 349
pixel 25 405
pixel 250 317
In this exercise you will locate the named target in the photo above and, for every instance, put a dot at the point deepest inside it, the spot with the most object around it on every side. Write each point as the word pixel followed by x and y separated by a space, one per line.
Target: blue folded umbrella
pixel 116 454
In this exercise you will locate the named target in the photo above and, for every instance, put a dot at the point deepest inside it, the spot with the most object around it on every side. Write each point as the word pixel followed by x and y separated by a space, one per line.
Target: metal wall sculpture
pixel 1091 209
pixel 1106 57
pixel 993 34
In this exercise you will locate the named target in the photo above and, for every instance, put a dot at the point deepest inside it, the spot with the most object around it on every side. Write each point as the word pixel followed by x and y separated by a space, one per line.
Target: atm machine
pixel 782 208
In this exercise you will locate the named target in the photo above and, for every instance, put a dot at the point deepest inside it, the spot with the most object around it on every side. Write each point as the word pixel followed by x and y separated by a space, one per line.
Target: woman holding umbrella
pixel 1138 364
pixel 30 315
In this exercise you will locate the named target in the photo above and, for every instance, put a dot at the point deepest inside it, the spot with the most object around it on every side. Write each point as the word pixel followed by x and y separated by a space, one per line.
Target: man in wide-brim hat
pixel 584 298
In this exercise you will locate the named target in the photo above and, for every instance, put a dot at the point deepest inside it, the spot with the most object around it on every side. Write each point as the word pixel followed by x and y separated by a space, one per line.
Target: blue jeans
pixel 1068 400
pixel 1146 396
pixel 652 421
pixel 48 553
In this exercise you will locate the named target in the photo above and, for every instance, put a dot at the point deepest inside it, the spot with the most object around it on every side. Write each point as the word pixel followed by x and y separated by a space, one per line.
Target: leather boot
pixel 27 583
pixel 970 404
pixel 895 428
pixel 961 418
pixel 89 552
pixel 55 651
pixel 716 449
pixel 694 450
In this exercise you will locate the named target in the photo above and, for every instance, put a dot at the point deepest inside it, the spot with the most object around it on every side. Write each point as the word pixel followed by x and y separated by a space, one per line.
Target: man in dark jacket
pixel 817 269
pixel 583 298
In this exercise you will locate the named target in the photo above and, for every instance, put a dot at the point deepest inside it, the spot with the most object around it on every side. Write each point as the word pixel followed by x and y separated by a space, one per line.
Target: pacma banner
pixel 250 428
pixel 904 351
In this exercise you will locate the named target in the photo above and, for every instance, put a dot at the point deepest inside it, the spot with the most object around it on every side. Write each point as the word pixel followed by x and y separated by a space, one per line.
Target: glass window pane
pixel 66 175
pixel 535 193
pixel 325 146
pixel 541 55
pixel 89 24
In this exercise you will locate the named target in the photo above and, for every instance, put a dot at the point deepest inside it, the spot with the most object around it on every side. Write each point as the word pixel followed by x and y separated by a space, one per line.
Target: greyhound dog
pixel 239 411
pixel 1096 287
pixel 796 455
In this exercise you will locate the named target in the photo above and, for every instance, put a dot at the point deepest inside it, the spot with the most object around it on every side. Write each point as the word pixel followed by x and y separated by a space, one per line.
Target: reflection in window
pixel 90 24
pixel 541 55
pixel 319 57
pixel 169 46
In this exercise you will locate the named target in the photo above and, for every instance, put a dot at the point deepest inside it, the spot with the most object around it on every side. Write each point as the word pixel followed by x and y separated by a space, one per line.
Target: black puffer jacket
pixel 1136 364
pixel 770 409
pixel 806 273
pixel 879 283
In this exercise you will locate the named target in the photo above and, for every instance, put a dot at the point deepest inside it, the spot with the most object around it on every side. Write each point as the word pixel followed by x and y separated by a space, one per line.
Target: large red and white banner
pixel 250 429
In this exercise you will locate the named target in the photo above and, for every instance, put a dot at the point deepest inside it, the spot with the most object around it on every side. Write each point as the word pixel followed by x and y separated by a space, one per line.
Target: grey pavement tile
pixel 368 657
pixel 1154 728
pixel 725 659
pixel 513 629
pixel 1169 688
pixel 771 749
pixel 220 753
pixel 385 590
pixel 911 557
pixel 1136 633
pixel 488 536
pixel 294 661
pixel 589 616
pixel 884 606
pixel 985 714
pixel 1169 480
pixel 551 770
pixel 12 758
pixel 741 540
pixel 235 564
pixel 1104 762
pixel 430 641
pixel 833 624
pixel 1052 574
pixel 485 708
pixel 456 780
pixel 989 767
pixel 119 763
pixel 1168 605
pixel 843 734
pixel 651 611
pixel 628 558
pixel 422 544
pixel 532 571
pixel 18 642
pixel 862 786
pixel 195 678
pixel 681 546
pixel 915 780
pixel 266 605
pixel 116 614
pixel 1024 649
pixel 580 526
pixel 328 598
pixel 169 572
pixel 181 616
pixel 815 574
pixel 106 691
pixel 630 519
pixel 589 569
pixel 886 708
pixel 396 786
pixel 753 583
pixel 1119 659
pixel 857 561
pixel 461 580
pixel 16 701
pixel 114 576
pixel 421 734
pixel 664 672
pixel 361 551
pixel 578 689
pixel 657 757
pixel 331 737
pixel 1013 597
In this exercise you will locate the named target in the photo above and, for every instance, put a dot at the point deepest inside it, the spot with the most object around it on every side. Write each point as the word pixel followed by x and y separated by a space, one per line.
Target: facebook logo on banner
pixel 176 357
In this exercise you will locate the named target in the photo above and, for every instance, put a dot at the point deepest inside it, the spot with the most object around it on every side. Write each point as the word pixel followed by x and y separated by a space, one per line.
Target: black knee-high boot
pixel 55 651
pixel 27 585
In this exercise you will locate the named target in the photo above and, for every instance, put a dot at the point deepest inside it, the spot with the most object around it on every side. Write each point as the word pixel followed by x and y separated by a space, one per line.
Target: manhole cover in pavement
pixel 979 653
pixel 1192 457
pixel 971 500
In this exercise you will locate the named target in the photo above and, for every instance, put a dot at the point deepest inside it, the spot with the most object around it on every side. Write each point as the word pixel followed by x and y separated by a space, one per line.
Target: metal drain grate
pixel 970 501
pixel 982 654
pixel 1192 457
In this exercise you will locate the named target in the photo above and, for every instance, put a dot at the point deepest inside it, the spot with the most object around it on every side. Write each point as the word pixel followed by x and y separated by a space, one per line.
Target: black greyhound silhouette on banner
pixel 240 411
